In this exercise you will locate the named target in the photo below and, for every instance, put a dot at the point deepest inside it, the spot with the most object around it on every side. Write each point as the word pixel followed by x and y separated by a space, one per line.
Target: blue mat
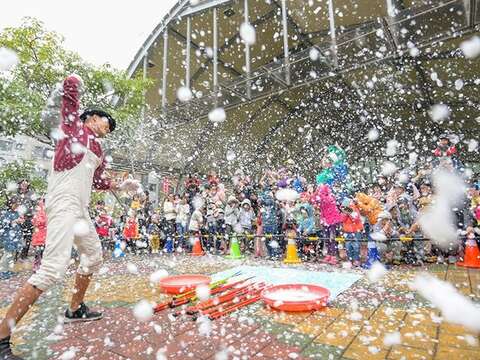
pixel 336 282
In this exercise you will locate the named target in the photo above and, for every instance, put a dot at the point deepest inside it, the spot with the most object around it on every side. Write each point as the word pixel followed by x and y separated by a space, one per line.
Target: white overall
pixel 68 223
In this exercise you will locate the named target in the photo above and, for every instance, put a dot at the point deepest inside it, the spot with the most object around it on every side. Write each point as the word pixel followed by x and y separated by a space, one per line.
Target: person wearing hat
pixel 182 209
pixel 445 147
pixel 27 202
pixel 269 211
pixel 446 154
pixel 306 229
pixel 423 199
pixel 384 231
pixel 352 227
pixel 219 215
pixel 405 215
pixel 231 219
pixel 11 236
pixel 78 165
pixel 211 227
pixel 246 216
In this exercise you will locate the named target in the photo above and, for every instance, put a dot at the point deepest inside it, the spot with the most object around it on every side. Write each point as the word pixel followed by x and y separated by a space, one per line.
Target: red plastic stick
pixel 224 296
pixel 228 295
pixel 191 296
pixel 237 306
pixel 237 300
pixel 213 285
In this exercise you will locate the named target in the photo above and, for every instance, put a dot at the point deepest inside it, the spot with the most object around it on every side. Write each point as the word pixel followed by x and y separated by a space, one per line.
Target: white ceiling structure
pixel 321 72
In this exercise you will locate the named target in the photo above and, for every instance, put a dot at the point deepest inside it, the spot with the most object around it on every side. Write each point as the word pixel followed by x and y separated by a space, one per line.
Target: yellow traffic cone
pixel 291 256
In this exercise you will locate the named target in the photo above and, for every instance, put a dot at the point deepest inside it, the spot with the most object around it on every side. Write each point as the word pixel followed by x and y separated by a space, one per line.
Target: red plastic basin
pixel 177 284
pixel 296 297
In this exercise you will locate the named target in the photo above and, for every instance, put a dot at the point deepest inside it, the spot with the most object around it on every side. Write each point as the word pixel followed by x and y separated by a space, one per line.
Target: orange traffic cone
pixel 197 247
pixel 471 258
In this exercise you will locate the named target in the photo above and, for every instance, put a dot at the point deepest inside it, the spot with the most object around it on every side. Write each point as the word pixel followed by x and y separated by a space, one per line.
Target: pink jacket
pixel 477 213
pixel 324 200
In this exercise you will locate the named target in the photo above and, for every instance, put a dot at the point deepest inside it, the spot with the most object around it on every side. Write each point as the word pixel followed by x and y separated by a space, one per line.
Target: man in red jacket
pixel 78 166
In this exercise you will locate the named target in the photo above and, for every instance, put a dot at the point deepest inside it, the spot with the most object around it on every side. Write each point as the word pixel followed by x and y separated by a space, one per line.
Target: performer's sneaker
pixel 83 313
pixel 6 350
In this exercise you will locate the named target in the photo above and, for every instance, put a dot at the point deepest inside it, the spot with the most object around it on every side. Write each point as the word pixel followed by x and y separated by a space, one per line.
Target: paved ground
pixel 353 326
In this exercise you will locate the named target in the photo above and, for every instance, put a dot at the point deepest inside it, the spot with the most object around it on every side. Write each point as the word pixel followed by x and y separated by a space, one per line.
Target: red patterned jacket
pixel 71 147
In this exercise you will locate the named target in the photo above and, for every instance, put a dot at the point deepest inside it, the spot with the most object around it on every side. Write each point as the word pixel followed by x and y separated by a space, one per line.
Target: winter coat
pixel 103 224
pixel 11 235
pixel 283 183
pixel 135 205
pixel 169 210
pixel 26 200
pixel 245 218
pixel 154 229
pixel 39 222
pixel 231 215
pixel 130 231
pixel 259 231
pixel 196 221
pixel 210 215
pixel 298 184
pixel 306 225
pixel 369 207
pixel 352 223
pixel 325 201
pixel 405 217
pixel 477 213
pixel 219 213
pixel 268 210
pixel 445 151
pixel 183 211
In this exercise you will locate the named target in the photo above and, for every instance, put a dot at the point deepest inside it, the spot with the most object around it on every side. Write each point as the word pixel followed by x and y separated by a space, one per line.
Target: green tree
pixel 43 63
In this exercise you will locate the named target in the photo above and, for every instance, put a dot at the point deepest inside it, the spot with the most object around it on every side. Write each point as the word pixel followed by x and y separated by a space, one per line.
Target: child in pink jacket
pixel 39 222
pixel 330 217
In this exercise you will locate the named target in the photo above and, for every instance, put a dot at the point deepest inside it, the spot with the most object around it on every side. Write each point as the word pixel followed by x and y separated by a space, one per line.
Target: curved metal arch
pixel 159 29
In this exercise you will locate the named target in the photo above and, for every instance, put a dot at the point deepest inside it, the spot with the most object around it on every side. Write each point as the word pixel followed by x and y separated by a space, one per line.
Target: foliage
pixel 96 197
pixel 43 62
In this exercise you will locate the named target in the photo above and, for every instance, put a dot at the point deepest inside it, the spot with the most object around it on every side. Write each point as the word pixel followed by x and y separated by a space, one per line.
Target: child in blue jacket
pixel 11 236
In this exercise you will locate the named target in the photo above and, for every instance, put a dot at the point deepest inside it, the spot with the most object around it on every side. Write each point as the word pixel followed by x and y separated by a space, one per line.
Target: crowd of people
pixel 21 227
pixel 328 222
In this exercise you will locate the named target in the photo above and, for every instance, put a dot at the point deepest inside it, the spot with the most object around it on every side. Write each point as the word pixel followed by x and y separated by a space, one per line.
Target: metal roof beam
pixel 232 39
pixel 203 6
pixel 196 46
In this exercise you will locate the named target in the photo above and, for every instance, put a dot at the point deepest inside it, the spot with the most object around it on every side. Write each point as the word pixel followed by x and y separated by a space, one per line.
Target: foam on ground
pixel 335 282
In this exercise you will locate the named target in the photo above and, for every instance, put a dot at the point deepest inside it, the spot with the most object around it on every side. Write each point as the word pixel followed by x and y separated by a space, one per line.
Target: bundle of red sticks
pixel 225 298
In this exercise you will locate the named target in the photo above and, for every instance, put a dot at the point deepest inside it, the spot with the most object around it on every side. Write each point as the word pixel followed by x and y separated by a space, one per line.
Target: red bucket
pixel 177 284
pixel 296 297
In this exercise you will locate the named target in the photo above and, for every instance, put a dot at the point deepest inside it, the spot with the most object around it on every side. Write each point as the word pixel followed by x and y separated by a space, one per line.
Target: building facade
pixel 23 147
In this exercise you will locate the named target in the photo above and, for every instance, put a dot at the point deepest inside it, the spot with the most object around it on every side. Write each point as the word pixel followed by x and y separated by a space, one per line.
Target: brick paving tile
pixel 405 352
pixel 134 350
pixel 341 331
